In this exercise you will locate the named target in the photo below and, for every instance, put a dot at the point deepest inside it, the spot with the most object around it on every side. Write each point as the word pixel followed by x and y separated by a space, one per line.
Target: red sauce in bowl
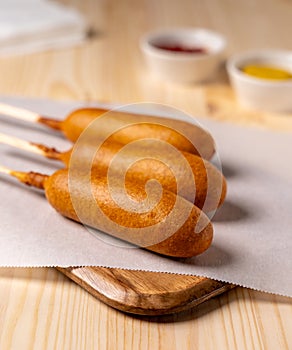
pixel 182 48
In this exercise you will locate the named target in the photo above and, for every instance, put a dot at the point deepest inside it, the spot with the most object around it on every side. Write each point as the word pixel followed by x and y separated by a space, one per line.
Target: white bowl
pixel 257 93
pixel 183 67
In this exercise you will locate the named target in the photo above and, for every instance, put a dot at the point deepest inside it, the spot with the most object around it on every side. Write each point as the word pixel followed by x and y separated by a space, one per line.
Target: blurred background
pixel 45 49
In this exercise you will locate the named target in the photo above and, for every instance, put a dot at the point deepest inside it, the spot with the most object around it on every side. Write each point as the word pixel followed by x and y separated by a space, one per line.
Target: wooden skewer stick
pixel 19 113
pixel 5 170
pixel 28 178
pixel 28 116
pixel 18 174
pixel 36 148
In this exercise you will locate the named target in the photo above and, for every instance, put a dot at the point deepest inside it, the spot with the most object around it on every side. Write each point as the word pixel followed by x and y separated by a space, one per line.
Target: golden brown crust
pixel 206 189
pixel 161 219
pixel 182 135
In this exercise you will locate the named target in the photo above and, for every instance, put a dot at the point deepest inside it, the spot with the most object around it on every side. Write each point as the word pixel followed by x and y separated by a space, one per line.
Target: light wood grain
pixel 40 308
pixel 143 292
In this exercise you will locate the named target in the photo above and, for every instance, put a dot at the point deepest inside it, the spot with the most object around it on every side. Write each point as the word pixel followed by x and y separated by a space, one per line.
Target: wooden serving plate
pixel 145 293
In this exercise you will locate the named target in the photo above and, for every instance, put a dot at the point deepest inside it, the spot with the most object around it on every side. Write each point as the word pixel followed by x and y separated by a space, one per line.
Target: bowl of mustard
pixel 262 79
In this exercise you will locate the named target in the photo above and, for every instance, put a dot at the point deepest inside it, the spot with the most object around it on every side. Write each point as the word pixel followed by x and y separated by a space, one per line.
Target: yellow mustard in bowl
pixel 267 72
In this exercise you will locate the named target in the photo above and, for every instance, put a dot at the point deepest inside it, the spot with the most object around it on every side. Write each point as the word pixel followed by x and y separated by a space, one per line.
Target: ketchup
pixel 181 48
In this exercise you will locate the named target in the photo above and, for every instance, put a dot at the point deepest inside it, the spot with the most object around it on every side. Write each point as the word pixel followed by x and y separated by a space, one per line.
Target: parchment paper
pixel 252 242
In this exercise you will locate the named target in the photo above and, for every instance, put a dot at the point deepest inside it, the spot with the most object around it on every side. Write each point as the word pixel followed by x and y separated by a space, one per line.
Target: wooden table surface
pixel 42 309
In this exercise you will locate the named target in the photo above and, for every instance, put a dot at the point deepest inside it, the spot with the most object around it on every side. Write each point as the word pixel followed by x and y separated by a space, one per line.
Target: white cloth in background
pixel 36 25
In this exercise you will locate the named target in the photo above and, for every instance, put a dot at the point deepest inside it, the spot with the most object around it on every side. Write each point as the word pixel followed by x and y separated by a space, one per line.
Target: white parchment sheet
pixel 252 243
